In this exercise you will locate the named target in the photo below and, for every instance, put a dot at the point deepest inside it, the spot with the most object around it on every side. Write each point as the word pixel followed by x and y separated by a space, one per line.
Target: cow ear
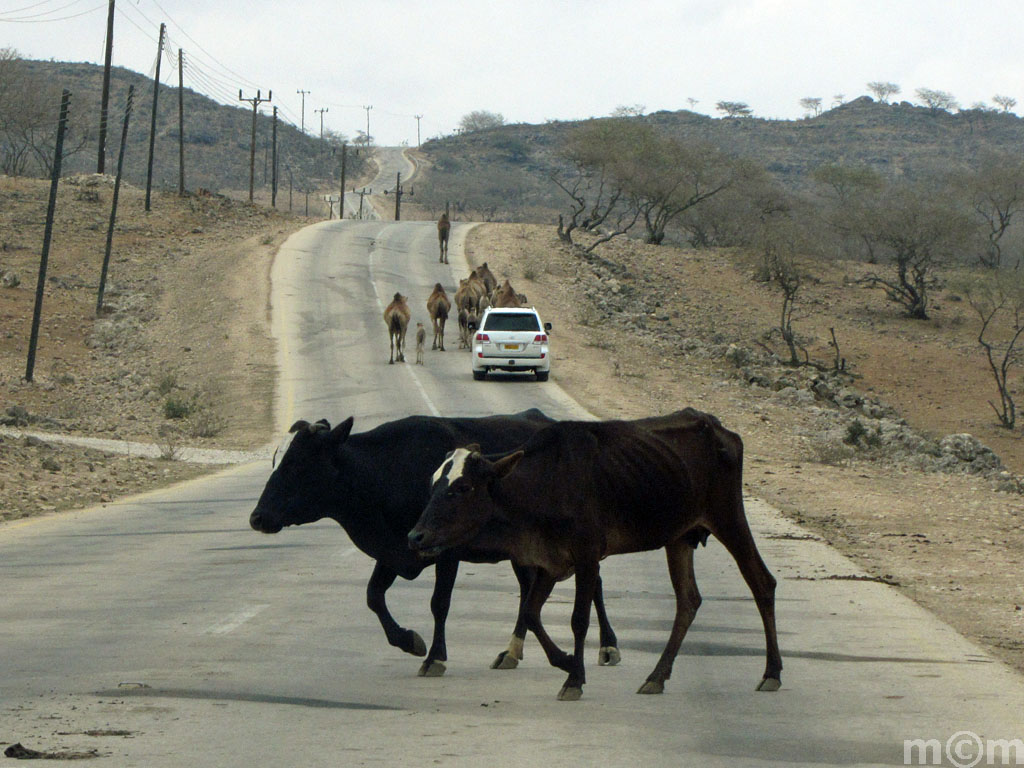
pixel 503 466
pixel 473 447
pixel 298 426
pixel 341 432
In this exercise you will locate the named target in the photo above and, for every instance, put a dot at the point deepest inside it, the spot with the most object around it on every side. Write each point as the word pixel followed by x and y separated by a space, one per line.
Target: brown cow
pixel 506 296
pixel 578 492
pixel 438 306
pixel 444 227
pixel 396 317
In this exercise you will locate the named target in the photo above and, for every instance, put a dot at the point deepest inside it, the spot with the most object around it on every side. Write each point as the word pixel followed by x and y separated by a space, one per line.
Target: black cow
pixel 578 492
pixel 376 484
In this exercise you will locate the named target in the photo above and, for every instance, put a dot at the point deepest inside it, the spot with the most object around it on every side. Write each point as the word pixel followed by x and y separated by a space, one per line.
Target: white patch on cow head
pixel 282 448
pixel 453 466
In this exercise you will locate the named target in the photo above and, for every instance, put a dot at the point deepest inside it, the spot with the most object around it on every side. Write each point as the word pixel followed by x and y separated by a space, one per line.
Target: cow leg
pixel 688 600
pixel 444 582
pixel 587 575
pixel 739 541
pixel 539 592
pixel 409 641
pixel 511 656
pixel 608 653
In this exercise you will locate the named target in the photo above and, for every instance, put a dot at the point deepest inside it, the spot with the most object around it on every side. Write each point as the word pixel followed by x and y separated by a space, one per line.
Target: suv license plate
pixel 512 347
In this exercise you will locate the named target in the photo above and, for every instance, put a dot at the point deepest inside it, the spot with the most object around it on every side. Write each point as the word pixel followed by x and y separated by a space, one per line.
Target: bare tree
pixel 692 102
pixel 999 302
pixel 838 100
pixel 883 90
pixel 812 104
pixel 851 192
pixel 599 203
pixel 919 227
pixel 1006 102
pixel 666 177
pixel 480 120
pixel 779 253
pixel 937 101
pixel 734 108
pixel 997 194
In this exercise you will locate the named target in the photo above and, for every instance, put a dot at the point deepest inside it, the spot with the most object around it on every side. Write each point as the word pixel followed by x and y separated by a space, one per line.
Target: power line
pixel 32 20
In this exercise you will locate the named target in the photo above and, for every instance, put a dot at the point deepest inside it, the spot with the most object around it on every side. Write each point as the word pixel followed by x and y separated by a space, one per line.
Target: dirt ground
pixel 184 355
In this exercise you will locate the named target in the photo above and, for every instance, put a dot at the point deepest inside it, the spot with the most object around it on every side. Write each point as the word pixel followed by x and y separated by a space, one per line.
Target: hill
pixel 216 136
pixel 502 172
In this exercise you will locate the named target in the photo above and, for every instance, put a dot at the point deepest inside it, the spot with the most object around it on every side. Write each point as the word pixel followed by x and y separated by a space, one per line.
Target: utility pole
pixel 255 101
pixel 58 156
pixel 341 208
pixel 181 124
pixel 152 124
pixel 368 108
pixel 399 191
pixel 105 98
pixel 321 111
pixel 113 204
pixel 273 165
pixel 303 109
pixel 418 118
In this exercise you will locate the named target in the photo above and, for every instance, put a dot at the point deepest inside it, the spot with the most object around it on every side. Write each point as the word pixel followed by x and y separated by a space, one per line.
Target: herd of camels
pixel 475 294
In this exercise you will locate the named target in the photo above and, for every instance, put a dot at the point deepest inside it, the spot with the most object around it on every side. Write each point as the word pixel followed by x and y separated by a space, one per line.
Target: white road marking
pixel 234 621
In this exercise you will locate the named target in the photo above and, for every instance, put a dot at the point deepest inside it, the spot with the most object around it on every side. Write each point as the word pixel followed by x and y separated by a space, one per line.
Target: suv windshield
pixel 510 322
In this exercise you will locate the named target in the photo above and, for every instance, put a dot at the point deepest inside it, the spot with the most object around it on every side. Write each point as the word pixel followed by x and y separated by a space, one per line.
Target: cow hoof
pixel 416 646
pixel 432 669
pixel 570 693
pixel 505 660
pixel 608 656
pixel 652 687
pixel 769 684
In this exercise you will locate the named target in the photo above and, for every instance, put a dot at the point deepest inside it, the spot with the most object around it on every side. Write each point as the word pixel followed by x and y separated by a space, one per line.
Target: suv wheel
pixel 542 375
pixel 479 375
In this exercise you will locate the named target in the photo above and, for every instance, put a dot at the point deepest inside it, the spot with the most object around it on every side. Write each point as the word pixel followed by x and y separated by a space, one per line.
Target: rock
pixel 9 279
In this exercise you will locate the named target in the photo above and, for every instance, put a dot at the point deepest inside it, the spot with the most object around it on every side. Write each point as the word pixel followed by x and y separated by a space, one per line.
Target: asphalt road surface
pixel 162 631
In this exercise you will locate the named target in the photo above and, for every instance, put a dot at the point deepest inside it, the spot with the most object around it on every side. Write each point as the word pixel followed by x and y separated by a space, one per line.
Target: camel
pixel 471 290
pixel 467 324
pixel 444 227
pixel 438 306
pixel 485 274
pixel 506 296
pixel 421 337
pixel 396 317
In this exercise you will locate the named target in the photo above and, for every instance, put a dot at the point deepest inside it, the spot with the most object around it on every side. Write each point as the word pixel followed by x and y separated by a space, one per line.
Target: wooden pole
pixel 181 125
pixel 152 124
pixel 341 210
pixel 273 163
pixel 113 204
pixel 105 97
pixel 37 312
pixel 255 101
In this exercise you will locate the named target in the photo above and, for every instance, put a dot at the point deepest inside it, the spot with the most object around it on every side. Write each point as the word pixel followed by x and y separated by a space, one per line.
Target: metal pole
pixel 113 204
pixel 105 97
pixel 152 125
pixel 58 156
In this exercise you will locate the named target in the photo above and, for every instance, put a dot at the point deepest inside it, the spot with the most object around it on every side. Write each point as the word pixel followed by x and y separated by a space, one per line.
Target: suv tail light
pixel 482 337
pixel 540 338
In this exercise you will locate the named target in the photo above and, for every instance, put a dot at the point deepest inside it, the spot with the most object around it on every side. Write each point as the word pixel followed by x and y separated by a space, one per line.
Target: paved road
pixel 165 617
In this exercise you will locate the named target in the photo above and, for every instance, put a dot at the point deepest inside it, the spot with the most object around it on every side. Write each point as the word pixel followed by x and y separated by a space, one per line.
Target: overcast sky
pixel 539 60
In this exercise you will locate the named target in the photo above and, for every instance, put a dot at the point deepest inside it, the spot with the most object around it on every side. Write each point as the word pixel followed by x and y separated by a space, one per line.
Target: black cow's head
pixel 460 500
pixel 301 486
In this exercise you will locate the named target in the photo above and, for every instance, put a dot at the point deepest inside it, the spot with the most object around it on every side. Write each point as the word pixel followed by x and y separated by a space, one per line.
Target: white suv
pixel 511 340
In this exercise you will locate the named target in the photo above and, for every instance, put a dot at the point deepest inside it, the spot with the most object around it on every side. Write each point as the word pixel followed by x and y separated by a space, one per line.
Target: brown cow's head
pixel 460 500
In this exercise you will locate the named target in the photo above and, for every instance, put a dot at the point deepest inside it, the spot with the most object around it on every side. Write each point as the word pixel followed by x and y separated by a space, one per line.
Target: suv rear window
pixel 510 322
